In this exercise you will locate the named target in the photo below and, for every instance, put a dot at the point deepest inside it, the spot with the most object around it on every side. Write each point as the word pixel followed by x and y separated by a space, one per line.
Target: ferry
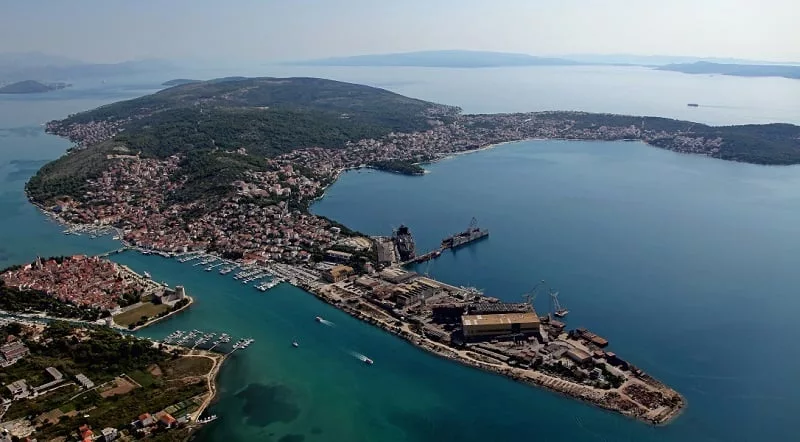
pixel 693 105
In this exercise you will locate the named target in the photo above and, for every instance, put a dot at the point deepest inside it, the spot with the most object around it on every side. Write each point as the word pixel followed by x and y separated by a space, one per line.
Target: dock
pixel 206 341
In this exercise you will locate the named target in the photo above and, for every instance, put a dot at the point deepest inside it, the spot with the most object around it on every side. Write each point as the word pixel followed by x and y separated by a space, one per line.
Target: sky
pixel 270 30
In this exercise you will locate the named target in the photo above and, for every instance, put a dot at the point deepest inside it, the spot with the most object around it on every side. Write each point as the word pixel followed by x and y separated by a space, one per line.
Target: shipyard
pixel 509 338
pixel 459 323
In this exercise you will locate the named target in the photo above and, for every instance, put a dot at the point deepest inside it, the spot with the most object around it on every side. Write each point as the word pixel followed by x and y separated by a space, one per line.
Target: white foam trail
pixel 358 356
pixel 326 322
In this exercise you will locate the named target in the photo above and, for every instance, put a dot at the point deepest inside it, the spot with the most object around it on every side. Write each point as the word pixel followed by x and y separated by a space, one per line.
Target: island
pixel 738 70
pixel 31 87
pixel 230 168
pixel 68 382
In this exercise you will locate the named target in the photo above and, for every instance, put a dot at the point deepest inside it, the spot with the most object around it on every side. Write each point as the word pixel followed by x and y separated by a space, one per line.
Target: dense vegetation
pixel 261 131
pixel 751 143
pixel 100 354
pixel 33 301
pixel 204 120
pixel 398 166
pixel 364 104
pixel 68 174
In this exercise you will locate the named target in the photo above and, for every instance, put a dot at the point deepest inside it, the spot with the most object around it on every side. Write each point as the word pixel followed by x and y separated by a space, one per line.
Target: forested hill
pixel 204 120
pixel 270 115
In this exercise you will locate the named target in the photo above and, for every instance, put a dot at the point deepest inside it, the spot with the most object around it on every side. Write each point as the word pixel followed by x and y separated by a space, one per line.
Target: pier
pixel 470 235
pixel 197 339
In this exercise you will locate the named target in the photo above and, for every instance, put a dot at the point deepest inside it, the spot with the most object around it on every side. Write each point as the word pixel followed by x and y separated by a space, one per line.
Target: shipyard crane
pixel 555 306
pixel 530 297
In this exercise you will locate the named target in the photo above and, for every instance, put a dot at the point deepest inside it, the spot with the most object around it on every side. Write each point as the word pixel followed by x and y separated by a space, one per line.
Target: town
pixel 264 217
pixel 263 220
pixel 89 288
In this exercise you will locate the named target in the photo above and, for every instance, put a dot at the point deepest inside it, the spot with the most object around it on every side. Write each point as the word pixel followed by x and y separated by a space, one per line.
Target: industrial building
pixel 14 351
pixel 479 326
pixel 338 273
pixel 397 276
pixel 410 292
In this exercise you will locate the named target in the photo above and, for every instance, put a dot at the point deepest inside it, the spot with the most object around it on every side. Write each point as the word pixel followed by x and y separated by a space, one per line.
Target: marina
pixel 196 339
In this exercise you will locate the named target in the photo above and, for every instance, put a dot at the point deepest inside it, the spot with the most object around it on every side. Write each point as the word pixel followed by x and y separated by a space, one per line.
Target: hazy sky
pixel 115 30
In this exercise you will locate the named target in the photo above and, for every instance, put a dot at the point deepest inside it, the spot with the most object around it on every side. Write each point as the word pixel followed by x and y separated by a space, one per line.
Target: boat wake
pixel 326 322
pixel 360 357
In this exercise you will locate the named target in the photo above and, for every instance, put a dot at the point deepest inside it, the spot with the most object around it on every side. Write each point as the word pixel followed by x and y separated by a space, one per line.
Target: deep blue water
pixel 684 263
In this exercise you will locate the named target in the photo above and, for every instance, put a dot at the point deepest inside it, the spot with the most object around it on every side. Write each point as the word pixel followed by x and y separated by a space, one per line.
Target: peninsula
pixel 63 382
pixel 88 289
pixel 737 70
pixel 31 87
pixel 230 168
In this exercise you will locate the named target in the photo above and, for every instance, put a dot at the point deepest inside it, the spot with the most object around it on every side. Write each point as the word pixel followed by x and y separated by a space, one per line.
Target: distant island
pixel 737 70
pixel 443 59
pixel 31 87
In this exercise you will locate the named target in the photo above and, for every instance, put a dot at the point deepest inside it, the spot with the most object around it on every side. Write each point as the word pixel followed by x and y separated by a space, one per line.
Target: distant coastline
pixel 31 87
pixel 735 70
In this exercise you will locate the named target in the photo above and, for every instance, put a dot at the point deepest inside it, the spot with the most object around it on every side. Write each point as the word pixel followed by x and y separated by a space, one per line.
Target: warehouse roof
pixel 500 318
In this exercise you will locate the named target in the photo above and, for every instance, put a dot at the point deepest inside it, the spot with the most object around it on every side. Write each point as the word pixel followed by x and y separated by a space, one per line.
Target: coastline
pixel 535 379
pixel 160 318
pixel 538 379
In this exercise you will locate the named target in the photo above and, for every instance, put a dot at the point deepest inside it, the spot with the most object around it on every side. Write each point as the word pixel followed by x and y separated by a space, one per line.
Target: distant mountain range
pixel 482 59
pixel 655 60
pixel 739 70
pixel 19 66
pixel 441 59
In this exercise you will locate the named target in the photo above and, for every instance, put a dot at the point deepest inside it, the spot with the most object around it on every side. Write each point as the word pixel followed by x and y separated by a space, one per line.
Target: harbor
pixel 405 247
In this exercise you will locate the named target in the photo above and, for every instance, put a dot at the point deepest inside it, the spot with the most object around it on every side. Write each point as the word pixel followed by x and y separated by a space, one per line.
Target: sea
pixel 686 264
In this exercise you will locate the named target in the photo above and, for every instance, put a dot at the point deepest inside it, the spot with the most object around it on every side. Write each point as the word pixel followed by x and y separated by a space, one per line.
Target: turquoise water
pixel 686 264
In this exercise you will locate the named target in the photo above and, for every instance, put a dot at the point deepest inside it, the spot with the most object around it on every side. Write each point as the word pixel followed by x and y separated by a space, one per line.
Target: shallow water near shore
pixel 686 264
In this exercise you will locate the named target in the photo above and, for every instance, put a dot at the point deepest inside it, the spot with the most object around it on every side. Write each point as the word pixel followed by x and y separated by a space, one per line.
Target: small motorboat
pixel 295 344
pixel 318 319
pixel 367 360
